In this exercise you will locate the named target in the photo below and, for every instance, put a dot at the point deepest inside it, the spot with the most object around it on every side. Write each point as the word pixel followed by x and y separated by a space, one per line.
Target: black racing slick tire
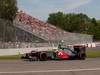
pixel 43 56
pixel 83 56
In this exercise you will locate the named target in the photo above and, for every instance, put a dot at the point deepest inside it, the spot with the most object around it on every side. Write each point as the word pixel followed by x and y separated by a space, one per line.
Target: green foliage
pixel 97 31
pixel 7 31
pixel 70 22
pixel 57 19
pixel 8 9
pixel 78 23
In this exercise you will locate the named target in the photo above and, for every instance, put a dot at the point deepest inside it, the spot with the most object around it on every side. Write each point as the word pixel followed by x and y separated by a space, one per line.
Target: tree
pixel 93 20
pixel 97 31
pixel 70 22
pixel 78 23
pixel 56 18
pixel 8 9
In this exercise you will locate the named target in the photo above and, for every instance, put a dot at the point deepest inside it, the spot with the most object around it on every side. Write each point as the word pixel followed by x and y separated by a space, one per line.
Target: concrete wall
pixel 17 51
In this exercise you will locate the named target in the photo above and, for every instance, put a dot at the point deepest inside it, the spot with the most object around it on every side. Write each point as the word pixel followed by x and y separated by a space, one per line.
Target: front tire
pixel 43 56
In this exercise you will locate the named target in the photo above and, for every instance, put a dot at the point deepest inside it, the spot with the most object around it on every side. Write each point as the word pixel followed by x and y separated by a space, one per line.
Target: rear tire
pixel 83 56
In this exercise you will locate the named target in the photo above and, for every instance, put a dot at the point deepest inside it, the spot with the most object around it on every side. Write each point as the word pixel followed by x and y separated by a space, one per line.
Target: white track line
pixel 45 71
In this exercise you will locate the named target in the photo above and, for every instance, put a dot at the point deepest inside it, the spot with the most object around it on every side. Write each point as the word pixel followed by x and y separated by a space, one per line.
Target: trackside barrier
pixel 90 45
pixel 16 51
pixel 4 52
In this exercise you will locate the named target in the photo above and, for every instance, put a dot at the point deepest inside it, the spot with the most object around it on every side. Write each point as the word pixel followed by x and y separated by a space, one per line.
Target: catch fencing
pixel 9 40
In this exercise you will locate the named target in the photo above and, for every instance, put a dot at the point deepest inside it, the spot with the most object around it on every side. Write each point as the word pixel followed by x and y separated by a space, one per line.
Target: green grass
pixel 10 57
pixel 93 53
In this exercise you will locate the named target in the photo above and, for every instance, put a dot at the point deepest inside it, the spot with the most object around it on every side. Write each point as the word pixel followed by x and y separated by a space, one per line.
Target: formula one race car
pixel 61 53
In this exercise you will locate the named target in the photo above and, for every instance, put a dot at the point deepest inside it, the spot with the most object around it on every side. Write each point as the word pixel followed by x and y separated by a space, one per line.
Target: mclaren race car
pixel 62 53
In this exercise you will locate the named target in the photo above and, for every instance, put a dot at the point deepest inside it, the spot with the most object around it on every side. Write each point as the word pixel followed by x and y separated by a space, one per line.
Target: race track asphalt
pixel 63 67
